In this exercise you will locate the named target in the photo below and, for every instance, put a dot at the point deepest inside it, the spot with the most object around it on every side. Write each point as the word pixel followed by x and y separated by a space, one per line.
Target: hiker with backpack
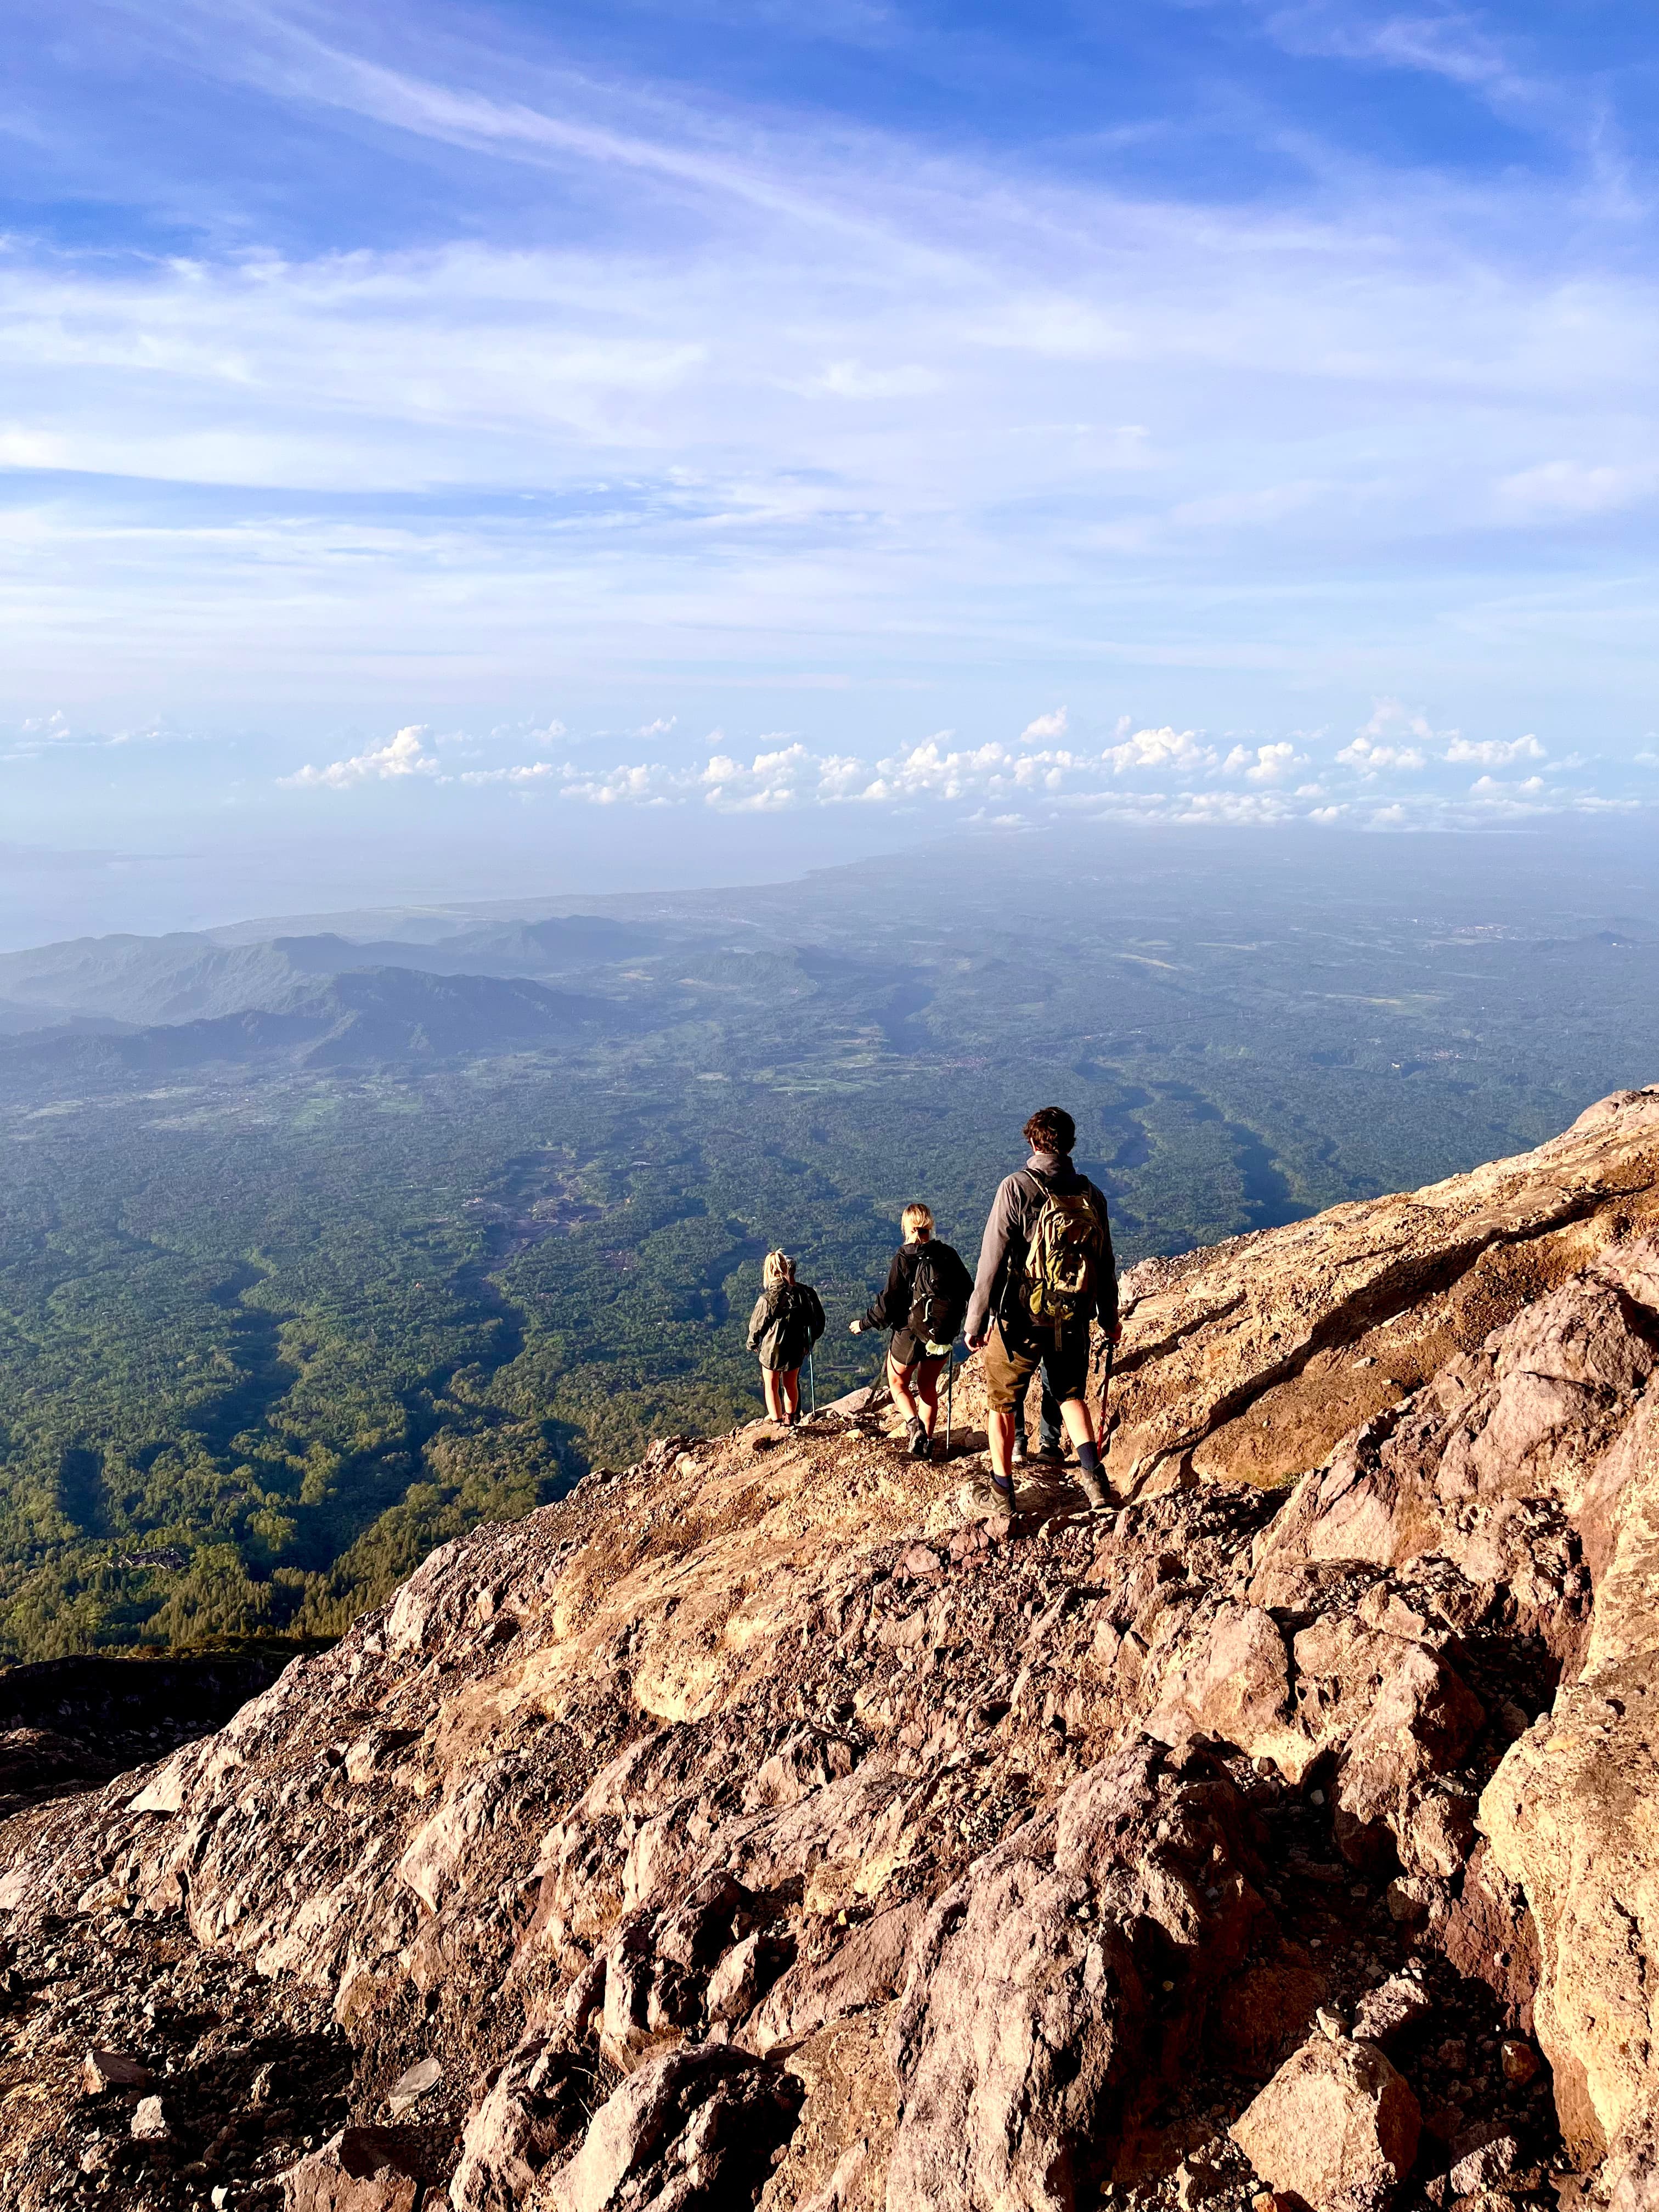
pixel 923 1303
pixel 786 1322
pixel 1046 1273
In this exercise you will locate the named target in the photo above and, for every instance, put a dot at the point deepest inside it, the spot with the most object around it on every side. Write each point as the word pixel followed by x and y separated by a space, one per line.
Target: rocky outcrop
pixel 762 1826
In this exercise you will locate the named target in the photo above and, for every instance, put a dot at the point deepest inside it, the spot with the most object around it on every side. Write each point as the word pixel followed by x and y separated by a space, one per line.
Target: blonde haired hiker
pixel 786 1322
pixel 923 1303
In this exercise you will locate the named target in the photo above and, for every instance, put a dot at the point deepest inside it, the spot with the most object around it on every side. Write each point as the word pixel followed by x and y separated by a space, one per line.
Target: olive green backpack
pixel 1063 1258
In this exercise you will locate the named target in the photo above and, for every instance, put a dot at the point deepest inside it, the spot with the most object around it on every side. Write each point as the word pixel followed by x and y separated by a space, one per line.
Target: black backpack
pixel 792 1315
pixel 938 1297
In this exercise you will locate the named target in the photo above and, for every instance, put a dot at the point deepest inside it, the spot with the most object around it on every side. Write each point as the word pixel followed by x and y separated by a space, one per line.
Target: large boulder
pixel 1336 2126
pixel 364 2169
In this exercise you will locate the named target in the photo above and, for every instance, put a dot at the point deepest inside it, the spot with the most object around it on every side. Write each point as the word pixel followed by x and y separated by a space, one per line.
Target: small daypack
pixel 939 1299
pixel 1063 1257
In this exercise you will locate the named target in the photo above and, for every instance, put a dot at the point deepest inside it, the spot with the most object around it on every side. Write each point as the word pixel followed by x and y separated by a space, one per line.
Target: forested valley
pixel 319 1244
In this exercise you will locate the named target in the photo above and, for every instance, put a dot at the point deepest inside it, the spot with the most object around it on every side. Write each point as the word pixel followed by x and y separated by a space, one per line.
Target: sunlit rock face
pixel 764 1825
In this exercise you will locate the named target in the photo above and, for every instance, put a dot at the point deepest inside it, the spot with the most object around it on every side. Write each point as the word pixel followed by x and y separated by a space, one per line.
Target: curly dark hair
pixel 1050 1129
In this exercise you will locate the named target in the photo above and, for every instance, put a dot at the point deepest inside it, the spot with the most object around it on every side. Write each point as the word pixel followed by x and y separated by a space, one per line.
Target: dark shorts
pixel 1008 1367
pixel 909 1351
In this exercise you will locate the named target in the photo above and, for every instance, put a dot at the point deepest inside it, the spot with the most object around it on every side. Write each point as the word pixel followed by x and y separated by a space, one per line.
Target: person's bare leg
pixel 999 1435
pixel 770 1380
pixel 928 1397
pixel 789 1392
pixel 898 1381
pixel 1079 1421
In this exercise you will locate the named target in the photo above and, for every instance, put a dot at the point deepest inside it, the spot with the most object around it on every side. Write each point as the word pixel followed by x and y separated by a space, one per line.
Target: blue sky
pixel 449 448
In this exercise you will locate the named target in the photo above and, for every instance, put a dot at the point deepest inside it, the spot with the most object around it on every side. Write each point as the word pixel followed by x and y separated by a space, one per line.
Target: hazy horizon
pixel 1606 867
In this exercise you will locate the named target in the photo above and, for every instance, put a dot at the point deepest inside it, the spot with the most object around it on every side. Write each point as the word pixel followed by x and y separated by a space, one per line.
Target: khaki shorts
pixel 1008 1367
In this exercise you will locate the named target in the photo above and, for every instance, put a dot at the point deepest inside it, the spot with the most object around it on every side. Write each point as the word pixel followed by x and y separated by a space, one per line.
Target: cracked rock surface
pixel 763 1825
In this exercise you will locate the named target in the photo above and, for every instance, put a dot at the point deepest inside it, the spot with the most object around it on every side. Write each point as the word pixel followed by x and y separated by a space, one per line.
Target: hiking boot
pixel 1001 1497
pixel 1019 1454
pixel 1050 1455
pixel 921 1443
pixel 1093 1489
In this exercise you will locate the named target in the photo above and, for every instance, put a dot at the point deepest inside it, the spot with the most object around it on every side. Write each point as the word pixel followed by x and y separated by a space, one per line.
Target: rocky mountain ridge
pixel 762 1826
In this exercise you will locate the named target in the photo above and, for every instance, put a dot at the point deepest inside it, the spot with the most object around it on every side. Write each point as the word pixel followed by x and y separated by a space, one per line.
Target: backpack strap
pixel 1033 1185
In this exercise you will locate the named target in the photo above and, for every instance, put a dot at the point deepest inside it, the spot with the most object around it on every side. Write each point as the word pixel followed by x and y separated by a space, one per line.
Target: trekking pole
pixel 1105 1390
pixel 949 1397
pixel 812 1385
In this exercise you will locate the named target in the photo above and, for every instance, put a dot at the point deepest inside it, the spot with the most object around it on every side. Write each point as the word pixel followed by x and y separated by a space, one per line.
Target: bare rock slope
pixel 760 1826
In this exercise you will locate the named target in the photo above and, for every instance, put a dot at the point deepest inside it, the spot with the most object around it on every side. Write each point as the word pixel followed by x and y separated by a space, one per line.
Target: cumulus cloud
pixel 1394 739
pixel 1046 725
pixel 647 784
pixel 1489 786
pixel 660 728
pixel 1494 752
pixel 403 755
pixel 1371 759
pixel 770 783
pixel 1158 749
pixel 1270 763
pixel 931 771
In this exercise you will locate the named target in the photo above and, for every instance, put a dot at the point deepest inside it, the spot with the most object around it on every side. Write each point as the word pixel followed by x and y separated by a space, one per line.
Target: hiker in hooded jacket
pixel 923 1303
pixel 786 1322
pixel 1046 1273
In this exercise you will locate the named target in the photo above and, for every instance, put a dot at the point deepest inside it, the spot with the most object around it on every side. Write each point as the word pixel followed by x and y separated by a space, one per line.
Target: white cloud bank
pixel 1151 774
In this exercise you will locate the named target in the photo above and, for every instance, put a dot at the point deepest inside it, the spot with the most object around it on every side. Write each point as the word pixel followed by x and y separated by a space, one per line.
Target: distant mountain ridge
pixel 189 976
pixel 359 1015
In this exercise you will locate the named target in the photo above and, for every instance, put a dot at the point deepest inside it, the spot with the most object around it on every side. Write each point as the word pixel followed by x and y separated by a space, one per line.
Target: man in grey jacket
pixel 1003 1320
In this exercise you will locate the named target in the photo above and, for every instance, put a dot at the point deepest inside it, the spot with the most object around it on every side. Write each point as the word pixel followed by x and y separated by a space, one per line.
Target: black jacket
pixel 890 1307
